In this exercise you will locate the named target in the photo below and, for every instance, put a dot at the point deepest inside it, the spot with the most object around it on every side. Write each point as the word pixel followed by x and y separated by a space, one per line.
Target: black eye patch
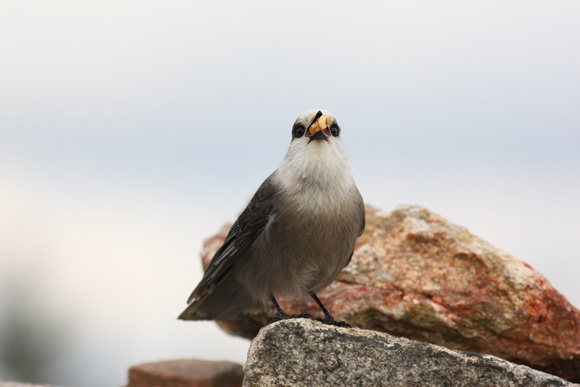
pixel 335 129
pixel 298 130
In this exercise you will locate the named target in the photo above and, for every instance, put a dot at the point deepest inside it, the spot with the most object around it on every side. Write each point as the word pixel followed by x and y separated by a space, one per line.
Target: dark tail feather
pixel 229 301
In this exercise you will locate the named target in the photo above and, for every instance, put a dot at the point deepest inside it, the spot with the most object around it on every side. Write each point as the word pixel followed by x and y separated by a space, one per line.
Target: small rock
pixel 185 373
pixel 302 352
pixel 417 275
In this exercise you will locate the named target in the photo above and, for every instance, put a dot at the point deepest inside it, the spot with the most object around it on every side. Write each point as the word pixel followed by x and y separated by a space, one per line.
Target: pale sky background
pixel 131 130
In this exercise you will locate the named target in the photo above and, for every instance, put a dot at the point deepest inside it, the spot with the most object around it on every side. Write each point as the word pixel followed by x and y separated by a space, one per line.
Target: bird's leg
pixel 283 315
pixel 328 319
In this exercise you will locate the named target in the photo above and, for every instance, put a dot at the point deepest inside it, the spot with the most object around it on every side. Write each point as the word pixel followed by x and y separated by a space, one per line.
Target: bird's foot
pixel 287 316
pixel 333 322
pixel 328 319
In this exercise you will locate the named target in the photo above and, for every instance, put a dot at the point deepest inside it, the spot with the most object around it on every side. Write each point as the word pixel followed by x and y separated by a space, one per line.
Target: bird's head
pixel 315 125
pixel 316 153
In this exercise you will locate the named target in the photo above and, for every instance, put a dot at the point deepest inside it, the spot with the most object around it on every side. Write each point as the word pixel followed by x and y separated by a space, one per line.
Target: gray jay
pixel 296 234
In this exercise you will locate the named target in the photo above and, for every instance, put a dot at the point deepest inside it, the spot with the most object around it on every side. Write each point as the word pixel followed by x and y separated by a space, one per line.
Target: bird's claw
pixel 334 323
pixel 272 320
pixel 287 316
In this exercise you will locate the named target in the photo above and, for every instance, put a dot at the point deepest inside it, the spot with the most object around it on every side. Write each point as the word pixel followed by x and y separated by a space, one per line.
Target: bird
pixel 296 234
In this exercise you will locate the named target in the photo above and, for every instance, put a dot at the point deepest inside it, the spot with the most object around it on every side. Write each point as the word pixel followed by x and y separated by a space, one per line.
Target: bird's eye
pixel 298 130
pixel 335 130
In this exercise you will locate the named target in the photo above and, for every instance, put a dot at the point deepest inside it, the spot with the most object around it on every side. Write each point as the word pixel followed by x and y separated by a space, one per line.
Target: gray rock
pixel 302 352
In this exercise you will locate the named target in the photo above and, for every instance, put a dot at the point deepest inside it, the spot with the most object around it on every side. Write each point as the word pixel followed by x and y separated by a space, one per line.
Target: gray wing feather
pixel 240 238
pixel 362 210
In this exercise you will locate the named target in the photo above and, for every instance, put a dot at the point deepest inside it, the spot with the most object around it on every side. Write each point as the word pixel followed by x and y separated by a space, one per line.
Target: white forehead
pixel 307 117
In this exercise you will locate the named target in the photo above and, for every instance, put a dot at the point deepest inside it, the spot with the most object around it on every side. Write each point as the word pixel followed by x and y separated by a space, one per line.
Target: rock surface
pixel 301 352
pixel 185 373
pixel 417 275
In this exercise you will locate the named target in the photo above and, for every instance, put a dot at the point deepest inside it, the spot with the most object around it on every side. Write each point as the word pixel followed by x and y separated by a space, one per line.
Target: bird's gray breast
pixel 309 238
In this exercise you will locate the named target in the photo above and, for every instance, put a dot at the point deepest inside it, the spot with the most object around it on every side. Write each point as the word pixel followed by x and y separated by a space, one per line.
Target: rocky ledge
pixel 303 352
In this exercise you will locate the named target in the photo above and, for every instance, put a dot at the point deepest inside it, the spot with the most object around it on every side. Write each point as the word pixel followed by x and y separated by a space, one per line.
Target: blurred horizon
pixel 130 132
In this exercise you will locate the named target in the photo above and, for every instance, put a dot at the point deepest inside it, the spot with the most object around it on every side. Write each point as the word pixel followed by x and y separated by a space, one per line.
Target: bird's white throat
pixel 313 169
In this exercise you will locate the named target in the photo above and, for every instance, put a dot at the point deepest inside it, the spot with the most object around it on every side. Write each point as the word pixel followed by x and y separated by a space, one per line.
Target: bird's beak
pixel 319 128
